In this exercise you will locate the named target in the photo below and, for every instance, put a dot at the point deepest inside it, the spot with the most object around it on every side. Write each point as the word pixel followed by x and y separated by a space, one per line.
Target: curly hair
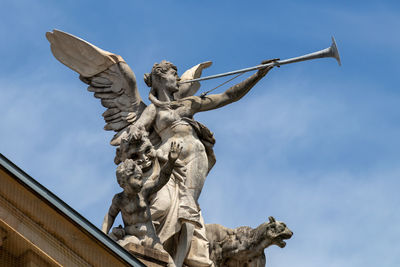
pixel 158 69
pixel 124 169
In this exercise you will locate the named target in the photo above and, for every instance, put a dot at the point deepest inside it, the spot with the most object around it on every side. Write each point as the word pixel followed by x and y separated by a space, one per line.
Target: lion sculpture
pixel 244 246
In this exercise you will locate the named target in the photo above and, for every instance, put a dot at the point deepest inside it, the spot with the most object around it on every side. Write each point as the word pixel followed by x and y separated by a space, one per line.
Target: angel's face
pixel 167 79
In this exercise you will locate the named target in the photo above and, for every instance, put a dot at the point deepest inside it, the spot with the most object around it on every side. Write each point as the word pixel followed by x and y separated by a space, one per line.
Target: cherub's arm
pixel 155 185
pixel 110 216
pixel 233 94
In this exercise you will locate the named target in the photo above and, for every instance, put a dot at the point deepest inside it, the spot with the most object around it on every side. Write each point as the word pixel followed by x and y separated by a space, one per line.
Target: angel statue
pixel 169 118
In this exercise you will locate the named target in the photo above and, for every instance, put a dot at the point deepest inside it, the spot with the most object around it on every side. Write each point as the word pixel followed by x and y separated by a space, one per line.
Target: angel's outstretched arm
pixel 231 95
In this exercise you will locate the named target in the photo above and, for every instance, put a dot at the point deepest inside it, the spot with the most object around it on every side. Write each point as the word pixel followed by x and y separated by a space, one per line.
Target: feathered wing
pixel 189 89
pixel 109 77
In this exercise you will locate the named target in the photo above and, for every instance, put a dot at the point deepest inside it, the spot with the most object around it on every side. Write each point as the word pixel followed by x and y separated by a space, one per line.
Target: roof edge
pixel 69 212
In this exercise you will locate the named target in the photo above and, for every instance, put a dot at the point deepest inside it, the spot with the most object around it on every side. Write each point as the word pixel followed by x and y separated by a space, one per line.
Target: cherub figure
pixel 133 201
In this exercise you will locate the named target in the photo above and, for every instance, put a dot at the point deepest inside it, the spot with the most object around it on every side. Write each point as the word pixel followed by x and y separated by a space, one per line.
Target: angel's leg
pixel 184 242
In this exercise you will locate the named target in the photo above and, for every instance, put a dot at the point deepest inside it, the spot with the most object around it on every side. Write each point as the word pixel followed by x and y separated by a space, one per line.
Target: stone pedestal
pixel 149 256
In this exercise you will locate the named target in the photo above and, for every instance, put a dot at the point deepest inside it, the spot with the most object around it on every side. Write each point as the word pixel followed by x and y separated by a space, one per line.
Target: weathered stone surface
pixel 145 136
pixel 149 256
pixel 139 183
pixel 244 246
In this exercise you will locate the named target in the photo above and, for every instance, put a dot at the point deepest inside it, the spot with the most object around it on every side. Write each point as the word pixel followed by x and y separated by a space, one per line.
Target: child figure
pixel 133 201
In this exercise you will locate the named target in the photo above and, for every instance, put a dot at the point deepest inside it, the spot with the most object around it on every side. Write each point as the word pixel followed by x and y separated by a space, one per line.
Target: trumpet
pixel 331 51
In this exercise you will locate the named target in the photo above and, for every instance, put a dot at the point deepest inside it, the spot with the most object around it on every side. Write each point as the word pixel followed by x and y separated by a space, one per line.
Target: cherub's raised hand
pixel 156 184
pixel 174 151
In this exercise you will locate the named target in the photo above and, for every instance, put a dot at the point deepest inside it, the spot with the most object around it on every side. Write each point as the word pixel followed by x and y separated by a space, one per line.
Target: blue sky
pixel 313 144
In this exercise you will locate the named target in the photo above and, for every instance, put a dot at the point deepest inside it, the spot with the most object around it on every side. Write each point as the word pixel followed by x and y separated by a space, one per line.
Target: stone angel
pixel 169 118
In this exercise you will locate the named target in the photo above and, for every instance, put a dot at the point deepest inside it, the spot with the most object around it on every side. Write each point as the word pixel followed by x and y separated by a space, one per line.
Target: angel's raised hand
pixel 266 69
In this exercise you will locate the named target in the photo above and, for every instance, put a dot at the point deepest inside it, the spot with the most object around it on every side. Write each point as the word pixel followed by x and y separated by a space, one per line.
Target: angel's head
pixel 163 76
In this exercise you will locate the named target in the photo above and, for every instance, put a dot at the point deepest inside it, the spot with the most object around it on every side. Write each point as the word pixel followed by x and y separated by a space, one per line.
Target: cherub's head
pixel 141 151
pixel 163 76
pixel 130 176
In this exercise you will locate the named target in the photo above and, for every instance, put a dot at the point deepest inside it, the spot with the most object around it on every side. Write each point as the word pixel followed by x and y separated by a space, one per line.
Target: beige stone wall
pixel 36 234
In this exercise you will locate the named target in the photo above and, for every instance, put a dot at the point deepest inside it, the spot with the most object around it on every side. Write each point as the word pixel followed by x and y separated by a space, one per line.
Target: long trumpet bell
pixel 331 51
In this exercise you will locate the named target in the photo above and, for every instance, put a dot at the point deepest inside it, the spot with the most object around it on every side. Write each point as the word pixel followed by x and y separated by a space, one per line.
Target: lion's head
pixel 277 232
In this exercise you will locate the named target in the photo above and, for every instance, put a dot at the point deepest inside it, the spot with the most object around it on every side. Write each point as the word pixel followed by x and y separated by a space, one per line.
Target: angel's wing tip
pixel 49 36
pixel 52 35
pixel 55 33
pixel 207 63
